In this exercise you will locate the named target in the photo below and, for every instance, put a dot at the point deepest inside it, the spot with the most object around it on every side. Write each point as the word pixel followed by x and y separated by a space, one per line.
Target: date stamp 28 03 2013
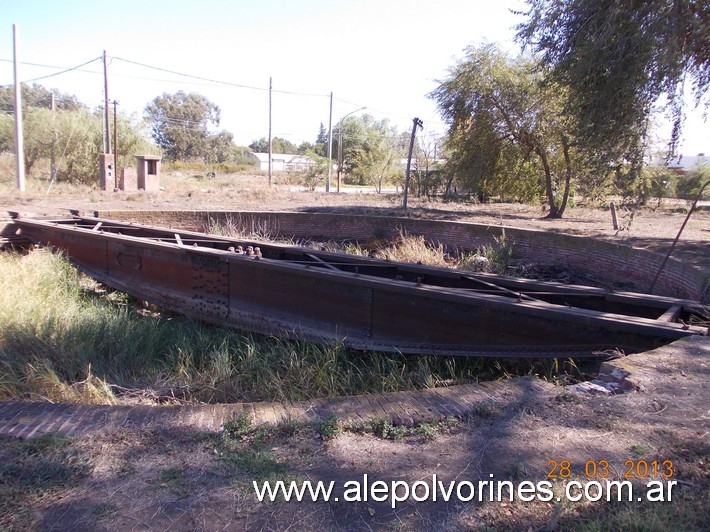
pixel 632 469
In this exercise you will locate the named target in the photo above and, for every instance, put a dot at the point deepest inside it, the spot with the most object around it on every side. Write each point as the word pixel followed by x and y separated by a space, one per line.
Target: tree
pixel 76 139
pixel 39 122
pixel 305 147
pixel 221 147
pixel 278 145
pixel 617 57
pixel 180 122
pixel 370 152
pixel 505 122
pixel 321 144
pixel 426 176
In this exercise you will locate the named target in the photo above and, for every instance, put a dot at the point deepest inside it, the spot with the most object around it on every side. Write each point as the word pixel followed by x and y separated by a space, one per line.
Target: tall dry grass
pixel 494 257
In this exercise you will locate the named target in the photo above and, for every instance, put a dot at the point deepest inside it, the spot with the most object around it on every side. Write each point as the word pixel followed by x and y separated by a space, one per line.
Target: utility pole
pixel 340 153
pixel 107 145
pixel 680 231
pixel 270 143
pixel 330 144
pixel 19 136
pixel 52 155
pixel 417 123
pixel 115 148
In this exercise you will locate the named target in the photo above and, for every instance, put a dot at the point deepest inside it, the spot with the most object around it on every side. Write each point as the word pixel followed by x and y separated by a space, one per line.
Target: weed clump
pixel 330 427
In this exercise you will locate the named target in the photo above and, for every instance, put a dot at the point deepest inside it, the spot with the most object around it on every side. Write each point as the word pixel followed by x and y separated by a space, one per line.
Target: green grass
pixel 385 429
pixel 245 449
pixel 33 470
pixel 67 338
pixel 173 480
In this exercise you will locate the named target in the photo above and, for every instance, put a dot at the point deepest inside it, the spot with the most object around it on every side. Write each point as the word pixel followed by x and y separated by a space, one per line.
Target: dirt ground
pixel 654 227
pixel 252 192
pixel 182 480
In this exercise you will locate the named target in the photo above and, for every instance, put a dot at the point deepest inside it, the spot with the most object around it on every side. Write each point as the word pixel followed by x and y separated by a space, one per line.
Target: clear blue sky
pixel 383 54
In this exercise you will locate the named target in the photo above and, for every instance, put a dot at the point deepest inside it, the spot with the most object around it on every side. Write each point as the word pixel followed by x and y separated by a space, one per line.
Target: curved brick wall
pixel 607 261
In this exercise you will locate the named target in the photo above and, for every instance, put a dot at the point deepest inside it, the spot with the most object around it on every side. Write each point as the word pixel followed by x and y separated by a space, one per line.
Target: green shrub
pixel 330 427
pixel 689 185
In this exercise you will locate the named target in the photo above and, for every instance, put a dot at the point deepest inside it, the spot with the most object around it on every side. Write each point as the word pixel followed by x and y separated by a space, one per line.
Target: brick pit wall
pixel 630 267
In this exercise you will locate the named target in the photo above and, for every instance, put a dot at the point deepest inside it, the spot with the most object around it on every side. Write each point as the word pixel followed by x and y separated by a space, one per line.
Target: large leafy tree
pixel 370 152
pixel 618 57
pixel 180 124
pixel 506 128
pixel 221 148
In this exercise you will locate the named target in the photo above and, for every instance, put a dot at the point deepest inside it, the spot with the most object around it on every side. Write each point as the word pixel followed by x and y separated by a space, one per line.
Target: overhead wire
pixel 63 71
pixel 201 79
pixel 219 82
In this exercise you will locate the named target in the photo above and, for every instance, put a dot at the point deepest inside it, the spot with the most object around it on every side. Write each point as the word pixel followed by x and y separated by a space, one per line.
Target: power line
pixel 63 71
pixel 42 65
pixel 218 82
pixel 200 79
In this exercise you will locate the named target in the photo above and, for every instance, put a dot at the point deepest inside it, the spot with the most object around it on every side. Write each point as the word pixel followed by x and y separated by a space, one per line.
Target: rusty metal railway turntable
pixel 366 303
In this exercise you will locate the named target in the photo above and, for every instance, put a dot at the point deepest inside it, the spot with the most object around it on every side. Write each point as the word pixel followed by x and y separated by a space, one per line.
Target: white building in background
pixel 284 162
pixel 687 163
pixel 684 163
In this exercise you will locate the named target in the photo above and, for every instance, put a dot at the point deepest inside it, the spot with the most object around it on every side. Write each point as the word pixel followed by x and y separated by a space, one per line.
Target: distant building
pixel 685 163
pixel 285 162
pixel 415 163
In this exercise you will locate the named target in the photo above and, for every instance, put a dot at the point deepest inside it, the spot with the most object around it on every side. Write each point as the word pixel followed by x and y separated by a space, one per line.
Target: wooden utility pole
pixel 417 123
pixel 107 143
pixel 19 135
pixel 614 218
pixel 115 148
pixel 680 231
pixel 330 145
pixel 52 155
pixel 270 143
